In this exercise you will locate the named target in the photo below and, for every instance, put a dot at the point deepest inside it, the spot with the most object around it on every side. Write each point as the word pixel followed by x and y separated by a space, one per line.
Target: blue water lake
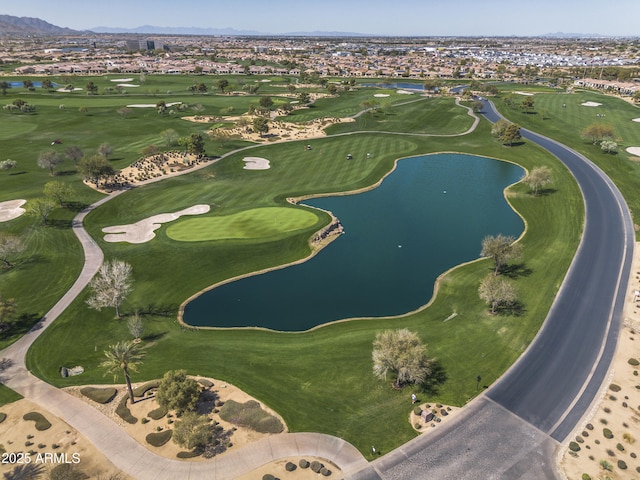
pixel 400 85
pixel 35 84
pixel 427 216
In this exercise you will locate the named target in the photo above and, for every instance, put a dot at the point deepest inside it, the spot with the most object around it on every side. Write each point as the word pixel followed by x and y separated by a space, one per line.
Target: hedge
pixel 2 417
pixel 158 413
pixel 41 422
pixel 99 395
pixel 123 411
pixel 143 389
pixel 157 439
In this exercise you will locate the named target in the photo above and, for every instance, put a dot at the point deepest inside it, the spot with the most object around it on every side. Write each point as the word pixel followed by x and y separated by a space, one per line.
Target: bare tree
pixel 400 353
pixel 537 178
pixel 497 291
pixel 170 136
pixel 104 150
pixel 501 249
pixel 73 153
pixel 135 326
pixel 10 247
pixel 49 160
pixel 110 286
pixel 7 311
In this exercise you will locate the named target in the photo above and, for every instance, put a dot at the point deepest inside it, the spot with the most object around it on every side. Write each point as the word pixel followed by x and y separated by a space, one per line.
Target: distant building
pixel 145 44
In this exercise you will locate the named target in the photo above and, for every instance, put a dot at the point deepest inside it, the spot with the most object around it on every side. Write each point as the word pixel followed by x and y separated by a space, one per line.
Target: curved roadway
pixel 513 430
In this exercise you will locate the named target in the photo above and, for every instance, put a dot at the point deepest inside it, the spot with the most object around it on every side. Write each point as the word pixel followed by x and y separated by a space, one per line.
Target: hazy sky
pixel 410 17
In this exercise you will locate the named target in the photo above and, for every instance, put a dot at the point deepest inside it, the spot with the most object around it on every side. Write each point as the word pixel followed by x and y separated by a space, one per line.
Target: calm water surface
pixel 429 215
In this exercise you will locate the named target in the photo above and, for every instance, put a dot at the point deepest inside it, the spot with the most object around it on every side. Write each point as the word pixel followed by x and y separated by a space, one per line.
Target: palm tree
pixel 123 356
pixel 28 471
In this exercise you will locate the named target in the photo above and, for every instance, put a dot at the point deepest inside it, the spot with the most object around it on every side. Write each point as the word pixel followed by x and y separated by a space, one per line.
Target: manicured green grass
pixel 258 223
pixel 319 380
pixel 8 396
pixel 565 125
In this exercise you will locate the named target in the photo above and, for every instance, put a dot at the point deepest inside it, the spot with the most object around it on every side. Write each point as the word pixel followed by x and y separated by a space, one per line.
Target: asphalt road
pixel 513 430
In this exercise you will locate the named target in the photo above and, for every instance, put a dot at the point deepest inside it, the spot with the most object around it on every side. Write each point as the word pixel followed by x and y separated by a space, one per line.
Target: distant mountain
pixel 152 29
pixel 30 26
pixel 573 35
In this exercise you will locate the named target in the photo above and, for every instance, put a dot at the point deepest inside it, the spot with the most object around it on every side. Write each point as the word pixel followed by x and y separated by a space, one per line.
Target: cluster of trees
pixel 508 133
pixel 499 292
pixel 20 106
pixel 603 134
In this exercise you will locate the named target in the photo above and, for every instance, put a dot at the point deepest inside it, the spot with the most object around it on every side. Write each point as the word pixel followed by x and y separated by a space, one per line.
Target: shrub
pixel 417 411
pixel 28 444
pixel 627 437
pixel 606 465
pixel 620 447
pixel 250 415
pixel 632 455
pixel 205 383
pixel 178 392
pixel 611 453
pixel 316 466
pixel 579 439
pixel 607 433
pixel 634 362
pixel 614 388
pixel 268 476
pixel 622 465
pixel 123 411
pixel 2 417
pixel 158 413
pixel 290 467
pixel 41 422
pixel 144 420
pixel 99 395
pixel 325 472
pixel 586 476
pixel 190 454
pixel 613 398
pixel 574 447
pixel 158 439
pixel 585 434
pixel 303 463
pixel 143 389
pixel 635 373
pixel 589 426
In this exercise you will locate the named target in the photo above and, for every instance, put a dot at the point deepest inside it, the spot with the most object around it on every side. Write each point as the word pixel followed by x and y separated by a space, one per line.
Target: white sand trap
pixel 256 163
pixel 636 120
pixel 76 89
pixel 151 105
pixel 142 231
pixel 127 85
pixel 11 209
pixel 381 95
pixel 590 104
pixel 122 80
pixel 634 151
pixel 528 94
pixel 404 92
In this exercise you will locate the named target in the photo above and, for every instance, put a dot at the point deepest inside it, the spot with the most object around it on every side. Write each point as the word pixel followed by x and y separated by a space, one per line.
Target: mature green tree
pixel 50 160
pixel 402 354
pixel 261 125
pixel 123 356
pixel 28 84
pixel 7 311
pixel 538 178
pixel 193 144
pixel 4 86
pixel 497 291
pixel 222 84
pixel 292 88
pixel 41 207
pixel 477 106
pixel 609 146
pixel 10 247
pixel 332 88
pixel 110 286
pixel 506 132
pixel 597 132
pixel 92 88
pixel 178 392
pixel 193 431
pixel 527 104
pixel 266 102
pixel 47 84
pixel 58 190
pixel 304 98
pixel 94 168
pixel 161 107
pixel 502 249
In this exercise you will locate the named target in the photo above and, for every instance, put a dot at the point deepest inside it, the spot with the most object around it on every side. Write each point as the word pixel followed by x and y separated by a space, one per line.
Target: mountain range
pixel 30 26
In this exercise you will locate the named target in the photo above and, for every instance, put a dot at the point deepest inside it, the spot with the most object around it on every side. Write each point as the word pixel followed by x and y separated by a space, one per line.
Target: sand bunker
pixel 127 85
pixel 636 120
pixel 590 104
pixel 528 94
pixel 404 92
pixel 256 163
pixel 381 95
pixel 66 90
pixel 143 231
pixel 11 209
pixel 634 151
pixel 150 105
pixel 122 80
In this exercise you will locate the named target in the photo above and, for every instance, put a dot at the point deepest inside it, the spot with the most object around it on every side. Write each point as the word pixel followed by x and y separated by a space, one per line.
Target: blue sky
pixel 412 17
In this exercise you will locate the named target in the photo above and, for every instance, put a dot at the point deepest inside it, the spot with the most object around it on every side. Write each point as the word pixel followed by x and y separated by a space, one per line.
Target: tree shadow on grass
pixel 514 309
pixel 66 173
pixel 431 386
pixel 543 192
pixel 75 206
pixel 61 224
pixel 23 324
pixel 154 336
pixel 516 270
pixel 159 310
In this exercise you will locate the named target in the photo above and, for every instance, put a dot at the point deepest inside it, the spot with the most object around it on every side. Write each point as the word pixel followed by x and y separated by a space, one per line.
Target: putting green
pixel 249 224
